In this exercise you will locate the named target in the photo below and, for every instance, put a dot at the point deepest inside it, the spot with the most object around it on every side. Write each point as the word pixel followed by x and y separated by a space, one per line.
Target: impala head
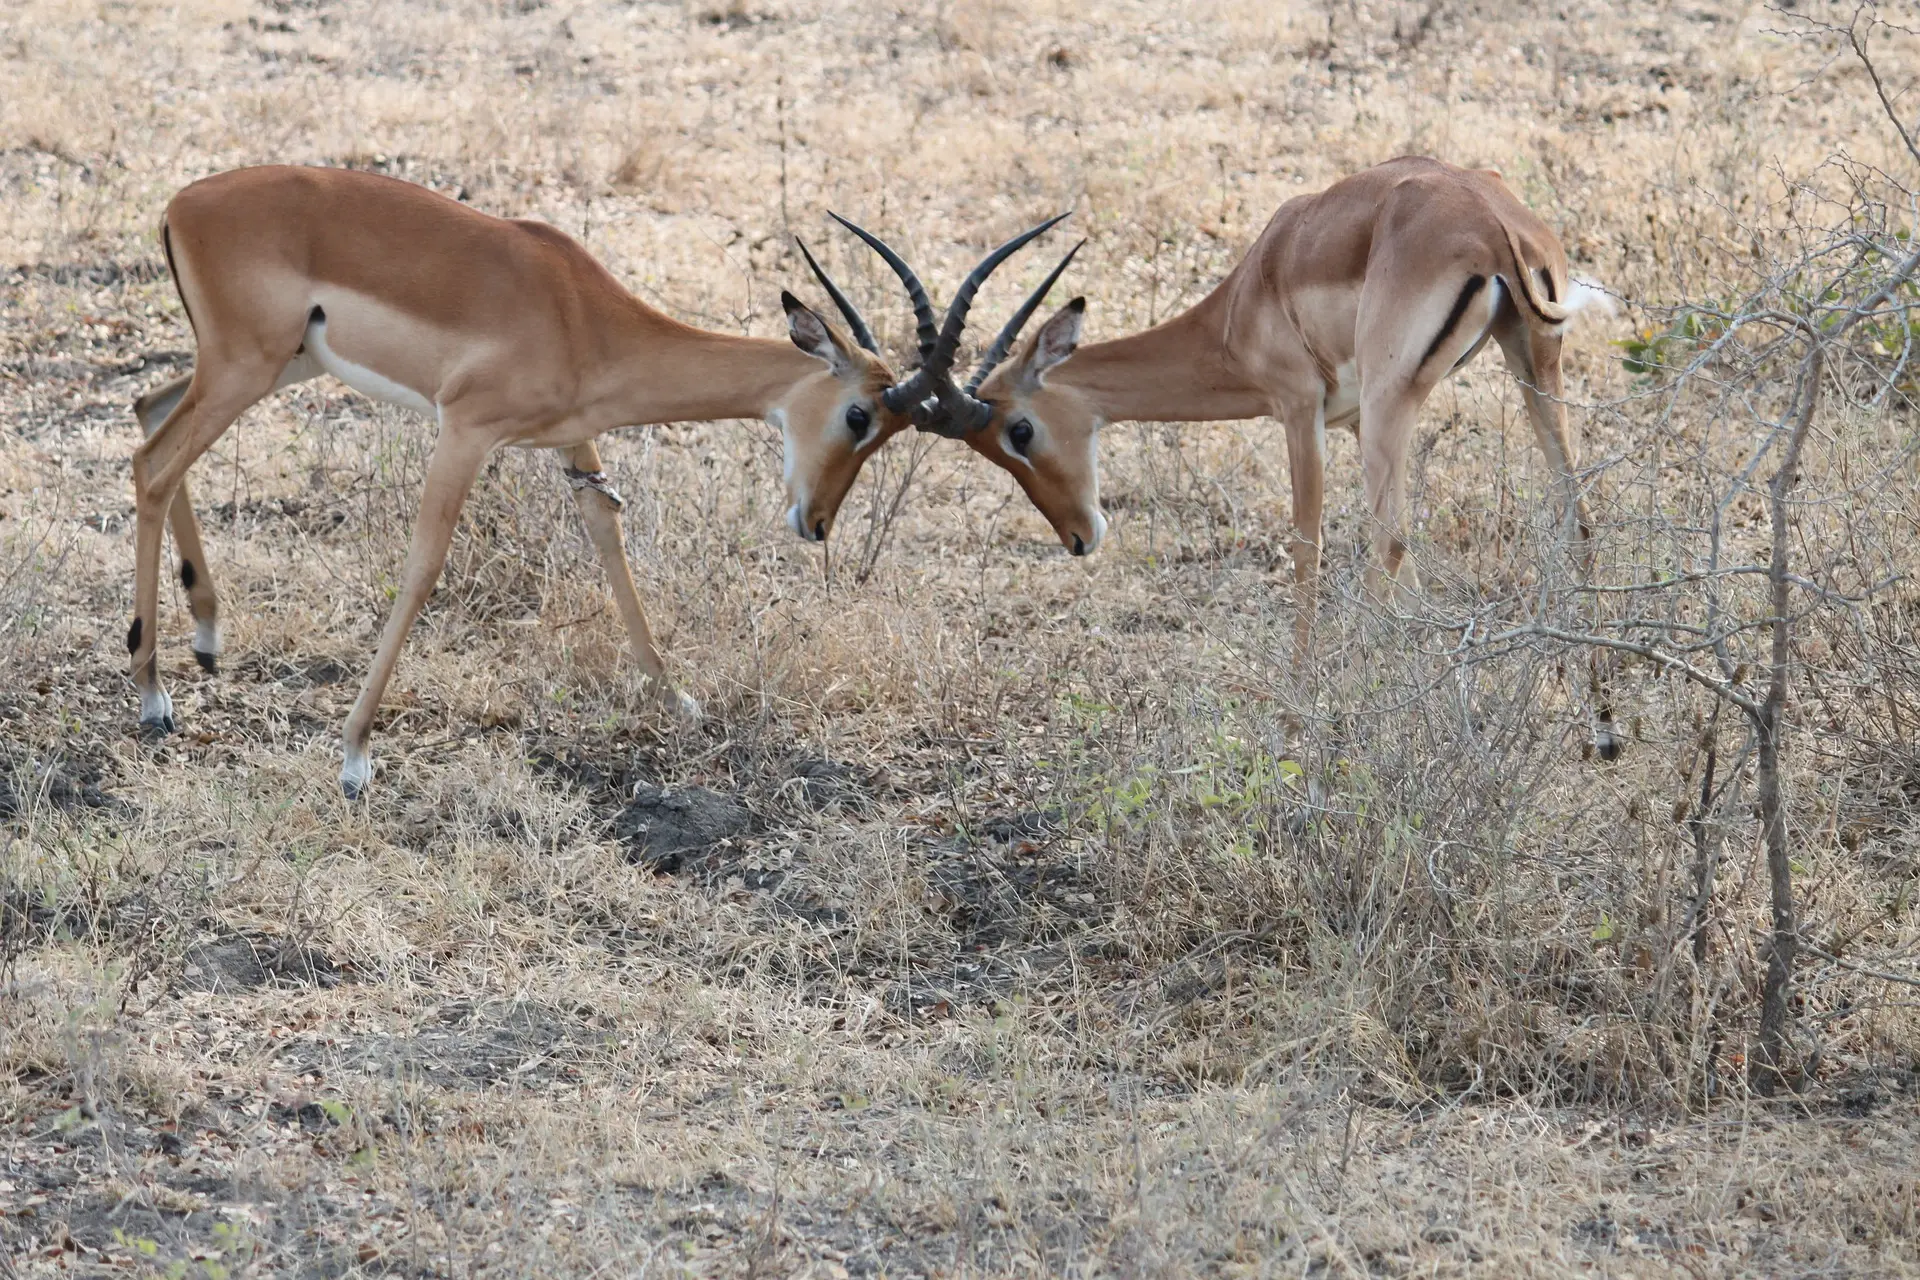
pixel 834 419
pixel 1043 437
pixel 1046 437
pixel 1054 465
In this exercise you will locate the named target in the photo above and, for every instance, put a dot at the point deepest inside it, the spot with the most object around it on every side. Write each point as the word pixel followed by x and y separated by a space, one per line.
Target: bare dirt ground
pixel 1000 919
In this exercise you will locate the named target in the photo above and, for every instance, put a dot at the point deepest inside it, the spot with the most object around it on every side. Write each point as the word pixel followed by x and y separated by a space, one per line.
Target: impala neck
pixel 1177 371
pixel 659 370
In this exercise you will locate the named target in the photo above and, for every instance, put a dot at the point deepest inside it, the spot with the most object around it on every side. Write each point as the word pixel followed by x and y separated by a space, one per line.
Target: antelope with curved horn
pixel 1347 311
pixel 506 332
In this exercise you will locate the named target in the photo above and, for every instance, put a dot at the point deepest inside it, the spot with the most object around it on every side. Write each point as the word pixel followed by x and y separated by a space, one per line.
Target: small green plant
pixel 1655 350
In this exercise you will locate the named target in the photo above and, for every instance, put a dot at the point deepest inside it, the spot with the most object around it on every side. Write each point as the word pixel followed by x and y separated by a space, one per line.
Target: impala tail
pixel 1549 303
pixel 1590 297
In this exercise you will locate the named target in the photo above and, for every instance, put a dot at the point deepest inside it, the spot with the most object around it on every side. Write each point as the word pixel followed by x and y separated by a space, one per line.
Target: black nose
pixel 819 530
pixel 1079 547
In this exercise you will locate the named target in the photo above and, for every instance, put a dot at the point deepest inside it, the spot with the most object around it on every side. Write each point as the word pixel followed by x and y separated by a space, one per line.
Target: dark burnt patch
pixel 59 780
pixel 467 1044
pixel 30 919
pixel 238 962
pixel 669 829
pixel 293 672
pixel 821 784
pixel 606 781
pixel 1022 894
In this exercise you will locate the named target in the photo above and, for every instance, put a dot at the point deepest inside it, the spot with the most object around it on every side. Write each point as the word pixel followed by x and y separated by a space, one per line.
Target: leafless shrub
pixel 1741 611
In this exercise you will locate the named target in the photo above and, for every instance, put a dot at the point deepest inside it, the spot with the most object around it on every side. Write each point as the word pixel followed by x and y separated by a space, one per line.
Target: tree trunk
pixel 1769 1068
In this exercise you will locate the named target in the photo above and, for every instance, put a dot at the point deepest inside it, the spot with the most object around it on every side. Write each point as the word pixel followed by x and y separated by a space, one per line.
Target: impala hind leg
pixel 1387 418
pixel 1533 358
pixel 450 474
pixel 196 576
pixel 207 407
pixel 600 511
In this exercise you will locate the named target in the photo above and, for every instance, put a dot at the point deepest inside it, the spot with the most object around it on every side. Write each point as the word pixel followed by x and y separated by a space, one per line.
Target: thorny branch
pixel 1790 337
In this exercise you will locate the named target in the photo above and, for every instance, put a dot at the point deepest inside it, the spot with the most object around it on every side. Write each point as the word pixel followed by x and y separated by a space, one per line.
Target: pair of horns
pixel 929 395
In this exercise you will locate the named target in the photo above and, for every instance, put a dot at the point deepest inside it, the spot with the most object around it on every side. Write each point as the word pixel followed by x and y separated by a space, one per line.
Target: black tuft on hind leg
pixel 187 575
pixel 133 637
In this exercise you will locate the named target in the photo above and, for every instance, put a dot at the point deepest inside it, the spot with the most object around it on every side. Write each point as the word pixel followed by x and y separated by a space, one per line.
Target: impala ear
pixel 1058 338
pixel 814 336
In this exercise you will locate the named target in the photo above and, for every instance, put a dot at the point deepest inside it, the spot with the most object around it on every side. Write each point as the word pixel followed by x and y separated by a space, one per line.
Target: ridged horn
pixel 929 395
pixel 861 334
pixel 903 395
pixel 1011 333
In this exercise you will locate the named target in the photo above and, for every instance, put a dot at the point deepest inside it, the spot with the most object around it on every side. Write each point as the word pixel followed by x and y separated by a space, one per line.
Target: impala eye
pixel 1020 437
pixel 858 420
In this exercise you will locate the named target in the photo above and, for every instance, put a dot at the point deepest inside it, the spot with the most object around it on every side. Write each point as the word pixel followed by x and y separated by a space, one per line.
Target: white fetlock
pixel 356 773
pixel 156 711
pixel 206 643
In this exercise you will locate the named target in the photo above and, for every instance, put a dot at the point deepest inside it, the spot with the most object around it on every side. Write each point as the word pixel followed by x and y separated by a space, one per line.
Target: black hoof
pixel 209 663
pixel 1609 745
pixel 157 728
pixel 352 790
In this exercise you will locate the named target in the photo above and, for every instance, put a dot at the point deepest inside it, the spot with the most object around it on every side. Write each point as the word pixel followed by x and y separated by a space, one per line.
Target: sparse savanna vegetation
pixel 1010 913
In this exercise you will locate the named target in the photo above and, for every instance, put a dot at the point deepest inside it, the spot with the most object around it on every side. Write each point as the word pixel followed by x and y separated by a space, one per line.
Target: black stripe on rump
pixel 1474 285
pixel 1546 275
pixel 166 246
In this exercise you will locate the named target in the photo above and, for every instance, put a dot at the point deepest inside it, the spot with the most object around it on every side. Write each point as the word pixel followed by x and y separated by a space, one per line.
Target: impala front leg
pixel 600 511
pixel 1534 360
pixel 456 462
pixel 1306 426
pixel 149 517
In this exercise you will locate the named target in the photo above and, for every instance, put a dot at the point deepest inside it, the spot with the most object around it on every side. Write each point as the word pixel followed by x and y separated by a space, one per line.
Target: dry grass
pixel 1079 962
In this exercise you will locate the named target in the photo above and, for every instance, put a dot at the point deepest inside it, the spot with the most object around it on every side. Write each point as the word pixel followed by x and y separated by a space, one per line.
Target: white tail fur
pixel 1590 296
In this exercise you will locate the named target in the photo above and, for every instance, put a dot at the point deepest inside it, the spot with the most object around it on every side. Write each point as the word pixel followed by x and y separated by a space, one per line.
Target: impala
pixel 1349 309
pixel 506 332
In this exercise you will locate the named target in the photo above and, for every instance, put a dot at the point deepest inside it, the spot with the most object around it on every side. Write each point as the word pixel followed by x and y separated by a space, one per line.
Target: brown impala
pixel 506 332
pixel 1349 309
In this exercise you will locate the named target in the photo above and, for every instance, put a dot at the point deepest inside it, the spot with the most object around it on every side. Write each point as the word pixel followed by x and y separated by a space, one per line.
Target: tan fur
pixel 508 329
pixel 1359 277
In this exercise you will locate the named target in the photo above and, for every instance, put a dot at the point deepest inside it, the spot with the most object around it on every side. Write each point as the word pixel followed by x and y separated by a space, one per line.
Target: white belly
pixel 362 379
